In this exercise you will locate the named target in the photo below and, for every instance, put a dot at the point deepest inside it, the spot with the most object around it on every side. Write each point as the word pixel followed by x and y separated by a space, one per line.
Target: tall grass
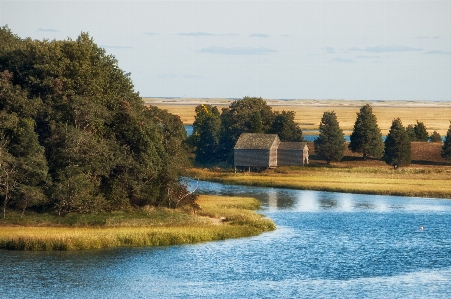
pixel 152 227
pixel 418 182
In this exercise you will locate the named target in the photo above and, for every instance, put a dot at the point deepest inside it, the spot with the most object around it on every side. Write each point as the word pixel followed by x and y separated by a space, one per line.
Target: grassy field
pixel 436 115
pixel 219 218
pixel 428 176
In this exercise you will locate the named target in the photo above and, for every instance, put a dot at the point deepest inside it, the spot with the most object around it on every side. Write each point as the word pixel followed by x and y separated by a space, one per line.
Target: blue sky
pixel 362 50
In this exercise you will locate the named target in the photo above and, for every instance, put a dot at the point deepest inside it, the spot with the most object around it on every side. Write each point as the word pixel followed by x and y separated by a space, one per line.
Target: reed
pixel 409 181
pixel 152 227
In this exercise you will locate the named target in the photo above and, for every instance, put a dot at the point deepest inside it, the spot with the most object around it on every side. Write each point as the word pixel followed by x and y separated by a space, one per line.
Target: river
pixel 327 245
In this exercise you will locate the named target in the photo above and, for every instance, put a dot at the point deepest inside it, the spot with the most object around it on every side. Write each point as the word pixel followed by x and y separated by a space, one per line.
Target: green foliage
pixel 366 137
pixel 205 135
pixel 286 128
pixel 435 137
pixel 446 149
pixel 247 115
pixel 417 132
pixel 330 143
pixel 77 137
pixel 421 134
pixel 397 145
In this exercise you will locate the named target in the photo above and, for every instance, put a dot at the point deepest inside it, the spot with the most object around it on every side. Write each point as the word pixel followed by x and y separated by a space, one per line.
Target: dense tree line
pixel 74 136
pixel 215 134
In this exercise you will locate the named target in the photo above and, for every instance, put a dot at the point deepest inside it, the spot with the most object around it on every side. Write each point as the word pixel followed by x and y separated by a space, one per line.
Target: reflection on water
pixel 327 245
pixel 311 201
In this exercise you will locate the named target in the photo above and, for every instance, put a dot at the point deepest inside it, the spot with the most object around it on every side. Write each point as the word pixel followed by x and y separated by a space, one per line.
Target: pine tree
pixel 421 134
pixel 397 145
pixel 330 143
pixel 446 149
pixel 366 137
pixel 435 137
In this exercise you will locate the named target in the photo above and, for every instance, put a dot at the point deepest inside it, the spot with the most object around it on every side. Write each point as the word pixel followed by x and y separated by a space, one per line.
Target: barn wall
pixel 273 154
pixel 289 157
pixel 251 158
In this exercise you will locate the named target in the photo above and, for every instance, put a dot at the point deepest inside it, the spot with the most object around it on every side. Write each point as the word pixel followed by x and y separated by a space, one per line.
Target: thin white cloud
pixel 284 35
pixel 167 76
pixel 388 48
pixel 192 76
pixel 199 34
pixel 342 60
pixel 116 47
pixel 47 30
pixel 330 50
pixel 425 37
pixel 438 52
pixel 368 57
pixel 259 35
pixel 237 50
pixel 151 33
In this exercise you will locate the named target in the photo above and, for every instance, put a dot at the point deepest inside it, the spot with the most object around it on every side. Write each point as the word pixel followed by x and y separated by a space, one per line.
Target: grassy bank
pixel 219 218
pixel 409 181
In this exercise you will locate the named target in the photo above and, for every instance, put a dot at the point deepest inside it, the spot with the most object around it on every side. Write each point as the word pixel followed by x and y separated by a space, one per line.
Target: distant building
pixel 266 150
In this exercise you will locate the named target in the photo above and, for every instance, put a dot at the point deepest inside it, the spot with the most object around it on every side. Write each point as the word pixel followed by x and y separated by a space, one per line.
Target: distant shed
pixel 292 154
pixel 256 150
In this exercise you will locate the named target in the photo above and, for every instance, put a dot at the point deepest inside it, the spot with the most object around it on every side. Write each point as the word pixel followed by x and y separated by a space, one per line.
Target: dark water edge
pixel 327 245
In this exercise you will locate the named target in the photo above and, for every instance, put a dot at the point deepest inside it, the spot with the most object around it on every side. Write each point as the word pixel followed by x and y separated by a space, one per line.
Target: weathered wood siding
pixel 273 154
pixel 289 157
pixel 292 154
pixel 253 158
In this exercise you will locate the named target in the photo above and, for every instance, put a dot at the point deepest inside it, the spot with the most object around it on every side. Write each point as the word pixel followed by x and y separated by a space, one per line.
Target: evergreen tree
pixel 397 145
pixel 366 137
pixel 410 130
pixel 284 126
pixel 330 143
pixel 446 148
pixel 421 134
pixel 206 128
pixel 435 137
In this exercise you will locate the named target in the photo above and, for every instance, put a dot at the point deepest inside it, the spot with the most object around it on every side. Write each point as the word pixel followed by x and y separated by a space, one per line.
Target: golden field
pixel 219 218
pixel 435 115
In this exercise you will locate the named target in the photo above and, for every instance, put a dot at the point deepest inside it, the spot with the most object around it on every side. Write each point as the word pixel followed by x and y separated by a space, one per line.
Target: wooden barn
pixel 292 154
pixel 266 150
pixel 256 150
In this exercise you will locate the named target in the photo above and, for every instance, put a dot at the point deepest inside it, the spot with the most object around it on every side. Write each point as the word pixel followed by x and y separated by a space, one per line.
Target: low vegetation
pixel 217 218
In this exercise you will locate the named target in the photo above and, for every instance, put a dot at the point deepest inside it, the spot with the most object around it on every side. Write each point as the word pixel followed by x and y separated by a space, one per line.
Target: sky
pixel 353 50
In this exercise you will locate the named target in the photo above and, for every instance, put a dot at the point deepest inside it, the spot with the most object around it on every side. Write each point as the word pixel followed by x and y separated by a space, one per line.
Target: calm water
pixel 327 245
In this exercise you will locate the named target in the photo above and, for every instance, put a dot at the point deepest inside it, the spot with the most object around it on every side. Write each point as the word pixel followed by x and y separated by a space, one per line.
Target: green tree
pixel 206 129
pixel 330 143
pixel 247 115
pixel 435 137
pixel 284 126
pixel 397 145
pixel 421 133
pixel 410 130
pixel 366 137
pixel 102 147
pixel 446 148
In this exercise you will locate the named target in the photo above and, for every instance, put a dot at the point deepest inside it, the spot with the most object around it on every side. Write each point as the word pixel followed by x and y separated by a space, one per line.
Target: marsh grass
pixel 149 227
pixel 409 181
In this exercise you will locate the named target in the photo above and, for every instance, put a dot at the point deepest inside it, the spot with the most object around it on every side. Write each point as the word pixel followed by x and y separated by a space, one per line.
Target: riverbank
pixel 218 218
pixel 407 181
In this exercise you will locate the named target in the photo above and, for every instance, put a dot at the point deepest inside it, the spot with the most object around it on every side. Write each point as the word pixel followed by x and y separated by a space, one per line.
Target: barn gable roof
pixel 292 145
pixel 255 141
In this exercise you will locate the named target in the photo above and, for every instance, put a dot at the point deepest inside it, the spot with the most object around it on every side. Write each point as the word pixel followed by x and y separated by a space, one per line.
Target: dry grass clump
pixel 219 218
